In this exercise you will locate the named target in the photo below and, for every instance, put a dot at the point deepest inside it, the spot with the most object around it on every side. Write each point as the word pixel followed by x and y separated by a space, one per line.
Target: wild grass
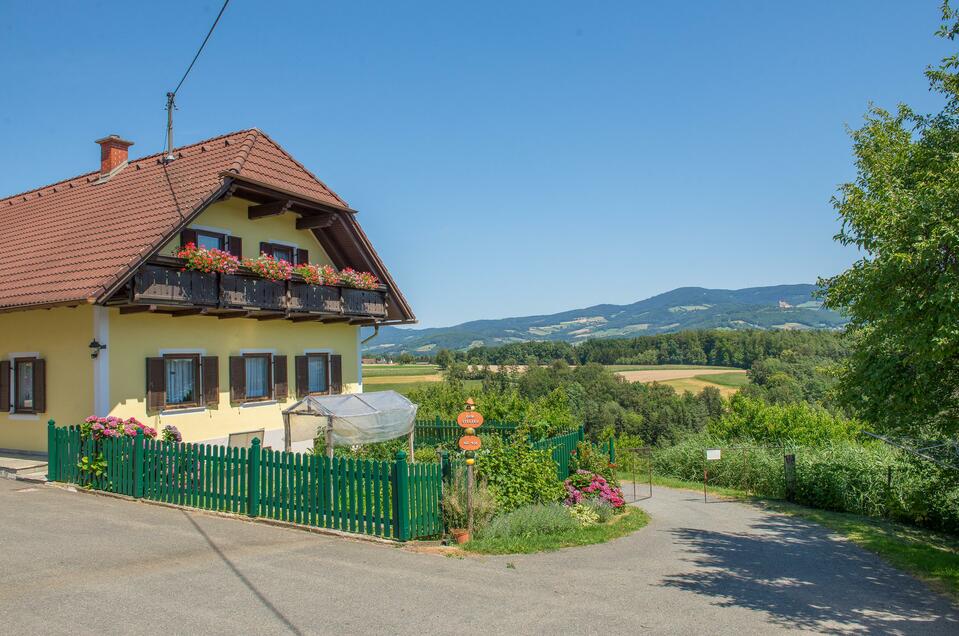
pixel 549 527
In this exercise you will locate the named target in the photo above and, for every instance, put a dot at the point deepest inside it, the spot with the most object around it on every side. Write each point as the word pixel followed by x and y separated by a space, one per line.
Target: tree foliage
pixel 902 295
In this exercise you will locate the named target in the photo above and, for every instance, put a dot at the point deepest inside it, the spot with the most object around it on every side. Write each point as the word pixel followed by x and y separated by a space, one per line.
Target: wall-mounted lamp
pixel 95 348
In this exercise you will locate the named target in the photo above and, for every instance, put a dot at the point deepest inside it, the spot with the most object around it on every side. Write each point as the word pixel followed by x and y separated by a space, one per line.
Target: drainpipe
pixel 376 331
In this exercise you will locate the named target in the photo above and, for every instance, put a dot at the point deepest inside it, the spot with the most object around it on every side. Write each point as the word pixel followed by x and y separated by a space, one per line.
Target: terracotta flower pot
pixel 460 535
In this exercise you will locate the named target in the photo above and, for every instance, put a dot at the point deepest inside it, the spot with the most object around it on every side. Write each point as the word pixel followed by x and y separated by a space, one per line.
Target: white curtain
pixel 25 385
pixel 256 376
pixel 180 381
pixel 316 370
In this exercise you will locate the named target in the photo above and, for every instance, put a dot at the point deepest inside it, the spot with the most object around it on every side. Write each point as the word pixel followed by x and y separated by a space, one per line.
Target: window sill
pixel 255 403
pixel 24 416
pixel 185 410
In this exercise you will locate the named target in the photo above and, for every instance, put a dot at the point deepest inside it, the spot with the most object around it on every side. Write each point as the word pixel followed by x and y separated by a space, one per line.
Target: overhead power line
pixel 171 95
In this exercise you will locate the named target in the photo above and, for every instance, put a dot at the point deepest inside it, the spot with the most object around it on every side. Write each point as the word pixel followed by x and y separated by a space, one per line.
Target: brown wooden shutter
pixel 40 385
pixel 234 245
pixel 187 236
pixel 210 371
pixel 302 364
pixel 156 384
pixel 237 379
pixel 4 386
pixel 336 374
pixel 281 388
pixel 302 257
pixel 265 248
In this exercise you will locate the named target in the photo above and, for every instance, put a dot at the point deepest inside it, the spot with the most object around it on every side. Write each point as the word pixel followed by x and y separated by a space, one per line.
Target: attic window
pixel 210 240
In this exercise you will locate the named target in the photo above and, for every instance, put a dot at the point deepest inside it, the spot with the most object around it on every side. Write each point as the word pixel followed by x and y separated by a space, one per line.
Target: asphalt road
pixel 76 563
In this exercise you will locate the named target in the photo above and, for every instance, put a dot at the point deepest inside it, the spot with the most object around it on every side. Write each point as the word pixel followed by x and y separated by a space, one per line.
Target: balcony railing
pixel 166 284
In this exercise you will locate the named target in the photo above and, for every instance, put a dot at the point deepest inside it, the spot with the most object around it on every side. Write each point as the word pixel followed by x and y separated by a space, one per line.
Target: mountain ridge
pixel 770 307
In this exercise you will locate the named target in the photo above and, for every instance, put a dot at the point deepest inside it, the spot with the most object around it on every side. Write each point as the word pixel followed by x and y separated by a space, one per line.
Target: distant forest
pixel 708 347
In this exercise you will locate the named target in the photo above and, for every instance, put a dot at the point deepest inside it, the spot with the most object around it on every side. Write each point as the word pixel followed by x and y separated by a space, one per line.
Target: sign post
pixel 470 419
pixel 712 455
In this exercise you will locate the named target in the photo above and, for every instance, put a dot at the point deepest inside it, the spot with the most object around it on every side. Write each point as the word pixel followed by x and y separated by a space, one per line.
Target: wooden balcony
pixel 162 286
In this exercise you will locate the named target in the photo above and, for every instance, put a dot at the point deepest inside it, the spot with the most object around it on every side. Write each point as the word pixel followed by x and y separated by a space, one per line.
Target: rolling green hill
pixel 776 307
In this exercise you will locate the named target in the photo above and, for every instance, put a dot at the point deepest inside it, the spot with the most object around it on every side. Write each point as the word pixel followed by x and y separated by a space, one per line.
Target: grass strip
pixel 630 521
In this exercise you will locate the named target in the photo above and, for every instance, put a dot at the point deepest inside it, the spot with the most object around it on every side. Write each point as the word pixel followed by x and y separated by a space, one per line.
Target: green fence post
pixel 138 464
pixel 253 479
pixel 612 450
pixel 52 458
pixel 445 466
pixel 401 497
pixel 582 433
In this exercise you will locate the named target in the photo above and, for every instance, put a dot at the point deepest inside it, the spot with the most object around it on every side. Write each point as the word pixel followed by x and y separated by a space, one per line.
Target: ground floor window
pixel 182 373
pixel 182 380
pixel 23 385
pixel 257 369
pixel 318 373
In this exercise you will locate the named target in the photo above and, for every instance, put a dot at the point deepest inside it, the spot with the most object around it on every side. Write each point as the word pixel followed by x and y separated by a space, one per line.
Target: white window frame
pixel 256 403
pixel 173 410
pixel 328 352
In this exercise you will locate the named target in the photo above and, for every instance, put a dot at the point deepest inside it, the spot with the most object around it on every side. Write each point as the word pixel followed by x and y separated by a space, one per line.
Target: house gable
pixel 231 217
pixel 94 233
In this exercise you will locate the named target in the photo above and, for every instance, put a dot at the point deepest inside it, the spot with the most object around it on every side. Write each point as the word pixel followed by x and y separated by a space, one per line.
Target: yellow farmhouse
pixel 161 288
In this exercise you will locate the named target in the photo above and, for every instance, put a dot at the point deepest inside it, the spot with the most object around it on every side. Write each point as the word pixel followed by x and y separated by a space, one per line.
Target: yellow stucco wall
pixel 135 337
pixel 61 337
pixel 232 215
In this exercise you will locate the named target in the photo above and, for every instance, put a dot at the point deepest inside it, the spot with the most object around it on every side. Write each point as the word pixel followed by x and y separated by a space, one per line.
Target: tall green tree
pixel 902 295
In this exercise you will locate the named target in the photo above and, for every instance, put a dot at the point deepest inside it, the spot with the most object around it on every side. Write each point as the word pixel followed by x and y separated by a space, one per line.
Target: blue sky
pixel 507 158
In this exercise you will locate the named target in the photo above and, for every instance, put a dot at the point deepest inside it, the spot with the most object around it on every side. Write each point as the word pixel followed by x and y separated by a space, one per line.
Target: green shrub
pixel 798 422
pixel 839 476
pixel 530 521
pixel 517 475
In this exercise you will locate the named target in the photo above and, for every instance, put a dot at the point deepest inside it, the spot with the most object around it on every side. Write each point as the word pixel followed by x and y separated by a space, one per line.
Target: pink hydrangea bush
pixel 171 433
pixel 584 485
pixel 270 268
pixel 112 427
pixel 201 259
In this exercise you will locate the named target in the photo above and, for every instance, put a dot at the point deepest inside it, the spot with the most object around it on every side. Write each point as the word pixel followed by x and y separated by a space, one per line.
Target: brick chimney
pixel 113 154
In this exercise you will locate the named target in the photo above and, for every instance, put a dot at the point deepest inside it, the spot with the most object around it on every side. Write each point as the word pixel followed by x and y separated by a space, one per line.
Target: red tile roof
pixel 73 240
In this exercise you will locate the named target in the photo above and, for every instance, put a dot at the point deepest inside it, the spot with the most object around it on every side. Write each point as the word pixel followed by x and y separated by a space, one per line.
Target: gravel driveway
pixel 77 563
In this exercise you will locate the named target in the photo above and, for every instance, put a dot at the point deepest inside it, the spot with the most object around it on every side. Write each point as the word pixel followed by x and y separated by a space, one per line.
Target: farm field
pixel 392 370
pixel 404 378
pixel 687 377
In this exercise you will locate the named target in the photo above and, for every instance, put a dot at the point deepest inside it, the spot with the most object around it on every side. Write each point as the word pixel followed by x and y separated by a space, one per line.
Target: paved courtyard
pixel 77 563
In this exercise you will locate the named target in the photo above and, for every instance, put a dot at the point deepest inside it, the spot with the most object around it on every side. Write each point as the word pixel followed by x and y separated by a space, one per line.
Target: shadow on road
pixel 259 595
pixel 803 579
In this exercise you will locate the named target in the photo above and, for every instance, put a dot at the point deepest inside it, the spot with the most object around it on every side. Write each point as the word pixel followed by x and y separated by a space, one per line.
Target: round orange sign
pixel 469 419
pixel 470 443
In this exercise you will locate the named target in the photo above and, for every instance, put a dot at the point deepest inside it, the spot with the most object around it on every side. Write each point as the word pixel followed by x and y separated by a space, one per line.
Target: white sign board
pixel 713 454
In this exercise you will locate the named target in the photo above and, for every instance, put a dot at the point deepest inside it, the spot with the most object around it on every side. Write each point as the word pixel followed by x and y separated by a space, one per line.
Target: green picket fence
pixel 440 431
pixel 390 499
pixel 562 447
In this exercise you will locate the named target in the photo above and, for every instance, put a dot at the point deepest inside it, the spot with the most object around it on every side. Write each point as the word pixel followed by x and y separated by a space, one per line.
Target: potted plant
pixel 200 259
pixel 269 268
